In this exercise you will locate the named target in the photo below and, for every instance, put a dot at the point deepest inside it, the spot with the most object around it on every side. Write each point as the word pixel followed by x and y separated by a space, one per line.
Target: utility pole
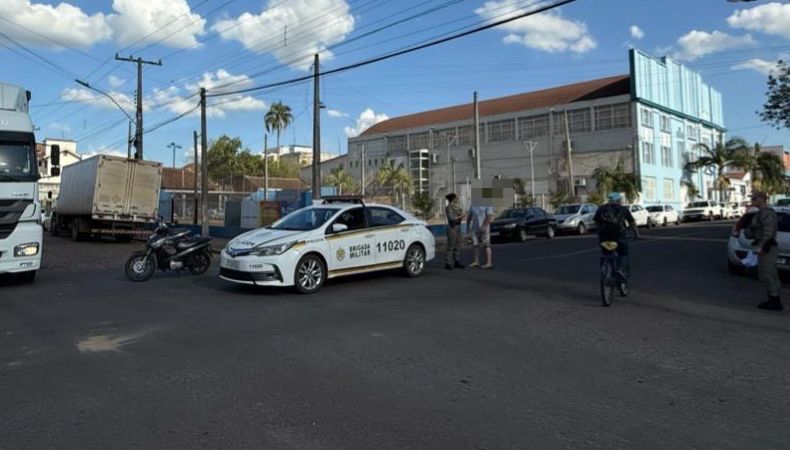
pixel 129 142
pixel 203 165
pixel 477 139
pixel 530 147
pixel 174 146
pixel 571 187
pixel 452 166
pixel 316 132
pixel 195 184
pixel 138 143
pixel 363 169
pixel 266 166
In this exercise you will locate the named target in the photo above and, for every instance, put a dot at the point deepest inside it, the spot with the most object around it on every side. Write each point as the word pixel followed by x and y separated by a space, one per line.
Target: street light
pixel 87 85
pixel 174 146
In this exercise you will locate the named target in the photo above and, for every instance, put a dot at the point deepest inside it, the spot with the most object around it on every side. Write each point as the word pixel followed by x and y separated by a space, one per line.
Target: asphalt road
pixel 521 356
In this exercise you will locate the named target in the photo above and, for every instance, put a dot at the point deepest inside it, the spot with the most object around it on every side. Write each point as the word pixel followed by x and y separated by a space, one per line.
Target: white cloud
pixel 366 119
pixel 115 81
pixel 102 150
pixel 770 18
pixel 64 23
pixel 760 65
pixel 59 127
pixel 293 23
pixel 83 95
pixel 549 31
pixel 336 113
pixel 170 21
pixel 636 32
pixel 696 44
pixel 174 99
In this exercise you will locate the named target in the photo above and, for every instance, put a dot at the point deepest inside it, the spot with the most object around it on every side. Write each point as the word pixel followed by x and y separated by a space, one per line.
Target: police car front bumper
pixel 257 270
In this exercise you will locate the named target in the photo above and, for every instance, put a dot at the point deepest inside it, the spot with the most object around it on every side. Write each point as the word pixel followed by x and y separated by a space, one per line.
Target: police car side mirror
pixel 339 228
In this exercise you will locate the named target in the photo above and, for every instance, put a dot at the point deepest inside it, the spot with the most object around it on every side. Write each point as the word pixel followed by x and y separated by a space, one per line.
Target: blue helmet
pixel 615 197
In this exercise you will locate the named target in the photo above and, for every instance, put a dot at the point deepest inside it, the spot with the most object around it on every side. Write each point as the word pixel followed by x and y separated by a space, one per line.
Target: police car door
pixel 353 247
pixel 390 235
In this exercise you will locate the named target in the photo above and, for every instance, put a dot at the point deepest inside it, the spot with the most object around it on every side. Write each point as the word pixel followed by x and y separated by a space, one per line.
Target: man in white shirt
pixel 478 222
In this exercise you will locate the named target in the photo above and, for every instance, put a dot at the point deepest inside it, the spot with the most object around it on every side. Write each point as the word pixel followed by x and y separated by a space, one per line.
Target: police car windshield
pixel 305 220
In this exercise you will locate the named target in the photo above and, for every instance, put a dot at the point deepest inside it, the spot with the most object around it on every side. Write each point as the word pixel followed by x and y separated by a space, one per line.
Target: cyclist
pixel 610 221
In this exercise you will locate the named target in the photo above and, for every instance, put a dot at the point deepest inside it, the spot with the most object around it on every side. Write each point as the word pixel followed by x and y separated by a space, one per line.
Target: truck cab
pixel 20 209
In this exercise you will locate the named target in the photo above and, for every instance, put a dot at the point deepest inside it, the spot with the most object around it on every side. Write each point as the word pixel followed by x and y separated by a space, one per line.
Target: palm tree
pixel 278 118
pixel 397 179
pixel 718 158
pixel 341 180
pixel 766 169
pixel 617 179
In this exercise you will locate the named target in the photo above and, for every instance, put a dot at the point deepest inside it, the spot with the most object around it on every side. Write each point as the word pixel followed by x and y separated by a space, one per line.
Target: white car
pixel 576 218
pixel 342 236
pixel 663 215
pixel 740 242
pixel 702 210
pixel 641 216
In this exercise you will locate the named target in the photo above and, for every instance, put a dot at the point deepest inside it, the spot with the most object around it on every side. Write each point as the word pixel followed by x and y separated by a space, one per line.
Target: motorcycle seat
pixel 182 245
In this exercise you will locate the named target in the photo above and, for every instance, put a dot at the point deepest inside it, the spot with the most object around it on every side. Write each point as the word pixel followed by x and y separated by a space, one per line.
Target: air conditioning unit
pixel 580 182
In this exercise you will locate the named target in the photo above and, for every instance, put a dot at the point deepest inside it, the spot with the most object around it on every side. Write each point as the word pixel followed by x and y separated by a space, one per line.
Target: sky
pixel 231 45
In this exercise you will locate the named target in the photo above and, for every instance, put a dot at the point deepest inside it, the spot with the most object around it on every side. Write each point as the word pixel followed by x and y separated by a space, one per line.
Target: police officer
pixel 763 230
pixel 455 215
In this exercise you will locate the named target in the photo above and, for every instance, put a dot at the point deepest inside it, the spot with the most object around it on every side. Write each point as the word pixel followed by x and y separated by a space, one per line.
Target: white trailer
pixel 107 195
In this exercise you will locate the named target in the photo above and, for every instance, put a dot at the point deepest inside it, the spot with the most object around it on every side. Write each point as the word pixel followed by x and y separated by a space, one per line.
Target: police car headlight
pixel 28 249
pixel 271 250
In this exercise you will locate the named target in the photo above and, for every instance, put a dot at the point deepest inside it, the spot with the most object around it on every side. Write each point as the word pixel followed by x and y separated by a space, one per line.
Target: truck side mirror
pixel 54 157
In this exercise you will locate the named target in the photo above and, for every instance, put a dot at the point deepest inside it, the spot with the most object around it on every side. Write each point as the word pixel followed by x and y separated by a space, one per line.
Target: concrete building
pixel 49 186
pixel 303 155
pixel 651 119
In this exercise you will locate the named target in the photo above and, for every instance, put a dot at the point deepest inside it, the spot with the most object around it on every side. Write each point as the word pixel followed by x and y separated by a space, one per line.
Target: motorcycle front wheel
pixel 140 267
pixel 200 263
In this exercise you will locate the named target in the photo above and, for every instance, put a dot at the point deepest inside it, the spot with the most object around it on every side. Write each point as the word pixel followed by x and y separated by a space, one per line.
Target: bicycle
pixel 611 277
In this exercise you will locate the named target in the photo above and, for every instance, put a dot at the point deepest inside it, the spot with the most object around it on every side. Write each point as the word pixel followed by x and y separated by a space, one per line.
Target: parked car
pixel 641 216
pixel 782 202
pixel 576 218
pixel 702 210
pixel 735 210
pixel 663 215
pixel 726 211
pixel 740 241
pixel 520 223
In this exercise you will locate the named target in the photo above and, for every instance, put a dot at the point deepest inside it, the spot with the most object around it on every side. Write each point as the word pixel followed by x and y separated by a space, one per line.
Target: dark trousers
pixel 766 269
pixel 623 253
pixel 454 242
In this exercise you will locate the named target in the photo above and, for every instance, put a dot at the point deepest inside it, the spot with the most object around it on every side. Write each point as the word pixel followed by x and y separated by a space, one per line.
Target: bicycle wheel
pixel 622 285
pixel 607 282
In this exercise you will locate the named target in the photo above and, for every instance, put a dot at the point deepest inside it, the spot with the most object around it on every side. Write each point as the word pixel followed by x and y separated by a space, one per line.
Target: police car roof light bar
pixel 354 199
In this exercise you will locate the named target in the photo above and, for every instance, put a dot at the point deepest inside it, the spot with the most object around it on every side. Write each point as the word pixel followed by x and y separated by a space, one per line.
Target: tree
pixel 425 204
pixel 278 118
pixel 776 110
pixel 717 159
pixel 691 189
pixel 222 157
pixel 616 179
pixel 397 179
pixel 766 169
pixel 284 168
pixel 341 180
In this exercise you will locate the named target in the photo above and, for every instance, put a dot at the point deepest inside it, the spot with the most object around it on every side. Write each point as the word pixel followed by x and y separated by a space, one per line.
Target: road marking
pixel 108 343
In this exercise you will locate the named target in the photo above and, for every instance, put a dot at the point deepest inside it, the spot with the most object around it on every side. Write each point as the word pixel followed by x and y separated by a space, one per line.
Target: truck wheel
pixel 27 277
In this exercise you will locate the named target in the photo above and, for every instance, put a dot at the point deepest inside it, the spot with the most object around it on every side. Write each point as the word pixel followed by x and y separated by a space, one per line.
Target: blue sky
pixel 249 43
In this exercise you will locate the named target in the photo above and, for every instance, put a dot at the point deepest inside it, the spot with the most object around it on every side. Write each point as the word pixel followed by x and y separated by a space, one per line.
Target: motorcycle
pixel 168 249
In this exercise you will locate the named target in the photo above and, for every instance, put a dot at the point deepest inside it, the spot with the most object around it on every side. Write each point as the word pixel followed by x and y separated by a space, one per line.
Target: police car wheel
pixel 414 263
pixel 309 275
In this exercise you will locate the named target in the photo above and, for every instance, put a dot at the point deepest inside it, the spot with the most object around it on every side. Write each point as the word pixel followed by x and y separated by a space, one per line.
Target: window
pixel 647 118
pixel 580 121
pixel 501 130
pixel 692 133
pixel 530 127
pixel 681 148
pixel 354 219
pixel 669 191
pixel 665 123
pixel 609 117
pixel 650 188
pixel 444 136
pixel 418 141
pixel 558 122
pixel 666 156
pixel 465 135
pixel 396 144
pixel 648 153
pixel 382 217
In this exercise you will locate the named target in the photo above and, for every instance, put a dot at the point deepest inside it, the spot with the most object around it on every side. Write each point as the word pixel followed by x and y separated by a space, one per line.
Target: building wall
pixel 47 183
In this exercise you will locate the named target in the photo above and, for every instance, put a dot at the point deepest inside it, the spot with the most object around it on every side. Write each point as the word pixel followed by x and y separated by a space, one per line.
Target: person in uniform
pixel 455 215
pixel 763 231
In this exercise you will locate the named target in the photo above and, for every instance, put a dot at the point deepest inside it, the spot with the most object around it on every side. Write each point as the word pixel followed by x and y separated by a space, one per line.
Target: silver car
pixel 577 218
pixel 740 242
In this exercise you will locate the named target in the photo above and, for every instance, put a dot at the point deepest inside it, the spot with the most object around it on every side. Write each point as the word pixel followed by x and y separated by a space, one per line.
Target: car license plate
pixel 495 233
pixel 232 264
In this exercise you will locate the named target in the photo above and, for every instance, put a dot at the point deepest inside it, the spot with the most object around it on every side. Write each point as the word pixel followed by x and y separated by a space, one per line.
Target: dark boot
pixel 458 265
pixel 772 304
pixel 448 266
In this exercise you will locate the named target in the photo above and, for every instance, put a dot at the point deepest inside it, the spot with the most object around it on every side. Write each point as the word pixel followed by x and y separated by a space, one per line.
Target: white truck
pixel 107 195
pixel 20 210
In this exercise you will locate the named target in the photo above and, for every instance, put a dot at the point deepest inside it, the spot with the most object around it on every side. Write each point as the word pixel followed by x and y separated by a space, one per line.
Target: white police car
pixel 341 236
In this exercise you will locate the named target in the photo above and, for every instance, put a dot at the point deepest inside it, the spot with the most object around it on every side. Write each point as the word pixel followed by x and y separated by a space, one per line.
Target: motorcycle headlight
pixel 509 226
pixel 27 249
pixel 271 250
pixel 156 242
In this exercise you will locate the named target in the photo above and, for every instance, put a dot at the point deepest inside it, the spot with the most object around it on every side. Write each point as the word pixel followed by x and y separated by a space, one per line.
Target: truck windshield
pixel 17 161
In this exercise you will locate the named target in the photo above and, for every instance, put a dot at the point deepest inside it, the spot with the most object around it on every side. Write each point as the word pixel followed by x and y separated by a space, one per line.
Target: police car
pixel 341 236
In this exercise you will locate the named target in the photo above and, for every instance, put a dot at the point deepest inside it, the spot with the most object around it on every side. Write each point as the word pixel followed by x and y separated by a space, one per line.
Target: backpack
pixel 611 219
